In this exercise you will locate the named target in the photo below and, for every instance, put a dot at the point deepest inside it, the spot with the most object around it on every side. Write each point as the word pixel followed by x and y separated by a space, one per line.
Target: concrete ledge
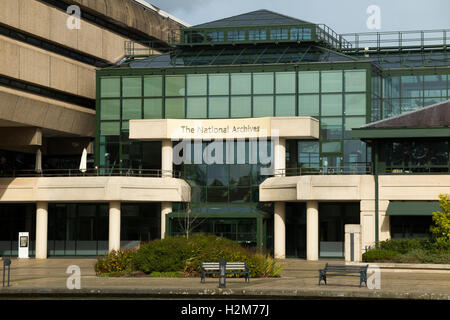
pixel 208 293
pixel 405 267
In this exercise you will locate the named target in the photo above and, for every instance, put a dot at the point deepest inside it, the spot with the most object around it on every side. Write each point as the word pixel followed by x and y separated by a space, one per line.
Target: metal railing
pixel 92 172
pixel 141 48
pixel 398 39
pixel 340 170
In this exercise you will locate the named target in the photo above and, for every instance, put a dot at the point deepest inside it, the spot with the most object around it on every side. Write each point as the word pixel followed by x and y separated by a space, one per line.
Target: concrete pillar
pixel 166 158
pixel 114 225
pixel 279 232
pixel 279 156
pixel 166 208
pixel 312 230
pixel 41 229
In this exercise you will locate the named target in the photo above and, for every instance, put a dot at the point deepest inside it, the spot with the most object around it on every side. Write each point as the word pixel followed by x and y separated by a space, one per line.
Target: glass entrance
pixel 296 230
pixel 332 219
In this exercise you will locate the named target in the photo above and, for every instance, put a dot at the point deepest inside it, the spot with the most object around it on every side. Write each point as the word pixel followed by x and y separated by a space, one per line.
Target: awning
pixel 412 208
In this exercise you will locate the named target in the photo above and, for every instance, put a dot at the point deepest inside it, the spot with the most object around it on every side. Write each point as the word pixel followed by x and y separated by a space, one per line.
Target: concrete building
pixel 49 54
pixel 266 129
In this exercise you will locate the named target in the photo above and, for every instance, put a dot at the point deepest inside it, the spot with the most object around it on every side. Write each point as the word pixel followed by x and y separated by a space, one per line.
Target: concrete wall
pixel 81 189
pixel 132 15
pixel 47 22
pixel 28 63
pixel 36 111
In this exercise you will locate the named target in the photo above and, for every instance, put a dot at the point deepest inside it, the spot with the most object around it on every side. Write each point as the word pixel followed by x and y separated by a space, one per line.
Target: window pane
pixel 353 122
pixel 153 86
pixel 331 128
pixel 131 109
pixel 110 128
pixel 285 82
pixel 110 110
pixel 240 83
pixel 218 84
pixel 308 82
pixel 331 147
pixel 285 106
pixel 196 108
pixel 411 86
pixel 331 104
pixel 131 86
pixel 354 151
pixel 331 81
pixel 196 84
pixel 241 107
pixel 391 87
pixel 355 80
pixel 435 86
pixel 308 105
pixel 153 109
pixel 174 108
pixel 263 106
pixel 175 85
pixel 110 87
pixel 355 104
pixel 411 104
pixel 217 175
pixel 263 83
pixel 218 107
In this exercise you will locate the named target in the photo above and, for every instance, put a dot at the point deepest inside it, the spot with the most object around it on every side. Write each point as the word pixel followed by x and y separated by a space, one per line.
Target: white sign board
pixel 24 243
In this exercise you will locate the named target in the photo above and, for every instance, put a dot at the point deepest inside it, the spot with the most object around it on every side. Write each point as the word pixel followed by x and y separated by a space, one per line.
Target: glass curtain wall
pixel 338 98
pixel 404 93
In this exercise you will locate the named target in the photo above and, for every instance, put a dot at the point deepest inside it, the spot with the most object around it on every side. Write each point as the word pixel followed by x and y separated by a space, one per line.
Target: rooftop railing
pixel 91 172
pixel 398 40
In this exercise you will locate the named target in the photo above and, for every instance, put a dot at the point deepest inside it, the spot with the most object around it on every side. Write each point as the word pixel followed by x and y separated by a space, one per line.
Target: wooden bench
pixel 343 270
pixel 231 268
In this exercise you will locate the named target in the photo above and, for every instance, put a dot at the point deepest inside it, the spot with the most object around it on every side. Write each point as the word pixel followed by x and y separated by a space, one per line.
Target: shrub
pixel 180 254
pixel 441 227
pixel 379 255
pixel 115 263
pixel 164 255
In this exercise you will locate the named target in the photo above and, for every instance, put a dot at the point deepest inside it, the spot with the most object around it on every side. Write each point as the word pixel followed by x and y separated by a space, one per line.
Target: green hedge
pixel 178 254
pixel 409 251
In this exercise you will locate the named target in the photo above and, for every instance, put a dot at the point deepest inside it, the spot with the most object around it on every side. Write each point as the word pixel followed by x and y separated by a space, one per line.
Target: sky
pixel 343 16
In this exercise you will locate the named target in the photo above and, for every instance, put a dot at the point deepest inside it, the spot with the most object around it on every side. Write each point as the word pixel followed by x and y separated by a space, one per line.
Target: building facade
pixel 245 127
pixel 49 54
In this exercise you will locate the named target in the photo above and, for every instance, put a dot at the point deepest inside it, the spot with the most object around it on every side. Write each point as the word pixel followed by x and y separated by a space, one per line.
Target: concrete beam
pixel 35 111
pixel 94 188
pixel 20 136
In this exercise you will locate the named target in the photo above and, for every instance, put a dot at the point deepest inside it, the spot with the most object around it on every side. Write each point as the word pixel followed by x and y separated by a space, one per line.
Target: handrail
pixel 339 170
pixel 398 39
pixel 91 172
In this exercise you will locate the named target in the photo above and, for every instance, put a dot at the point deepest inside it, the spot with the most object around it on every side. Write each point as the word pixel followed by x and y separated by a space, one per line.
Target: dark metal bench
pixel 343 270
pixel 231 268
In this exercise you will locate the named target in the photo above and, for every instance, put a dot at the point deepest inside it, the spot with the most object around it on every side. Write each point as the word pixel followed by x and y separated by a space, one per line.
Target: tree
pixel 187 222
pixel 441 228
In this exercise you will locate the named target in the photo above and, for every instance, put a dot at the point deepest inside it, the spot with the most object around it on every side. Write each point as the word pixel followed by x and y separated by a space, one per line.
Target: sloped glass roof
pixel 255 18
pixel 236 55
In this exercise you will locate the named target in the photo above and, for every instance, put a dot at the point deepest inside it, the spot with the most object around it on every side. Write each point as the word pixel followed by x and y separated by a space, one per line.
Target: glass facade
pixel 414 156
pixel 404 93
pixel 337 98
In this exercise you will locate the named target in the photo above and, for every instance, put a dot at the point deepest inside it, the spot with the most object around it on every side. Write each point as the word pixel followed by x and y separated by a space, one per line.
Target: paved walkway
pixel 47 278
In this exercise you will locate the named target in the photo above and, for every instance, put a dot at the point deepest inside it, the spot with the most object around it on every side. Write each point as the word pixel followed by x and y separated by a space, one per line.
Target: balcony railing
pixel 92 172
pixel 340 170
